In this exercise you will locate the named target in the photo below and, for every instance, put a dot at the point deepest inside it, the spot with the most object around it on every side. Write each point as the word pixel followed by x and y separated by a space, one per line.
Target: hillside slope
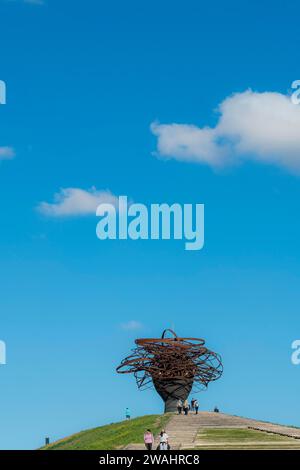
pixel 111 436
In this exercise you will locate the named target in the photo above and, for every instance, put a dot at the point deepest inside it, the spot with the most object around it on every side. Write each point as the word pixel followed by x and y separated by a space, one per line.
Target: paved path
pixel 183 430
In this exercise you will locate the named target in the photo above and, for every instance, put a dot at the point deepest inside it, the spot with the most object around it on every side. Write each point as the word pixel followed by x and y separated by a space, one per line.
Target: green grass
pixel 240 434
pixel 240 438
pixel 111 436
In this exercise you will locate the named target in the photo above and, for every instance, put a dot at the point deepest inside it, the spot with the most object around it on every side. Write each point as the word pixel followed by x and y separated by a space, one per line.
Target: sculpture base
pixel 173 390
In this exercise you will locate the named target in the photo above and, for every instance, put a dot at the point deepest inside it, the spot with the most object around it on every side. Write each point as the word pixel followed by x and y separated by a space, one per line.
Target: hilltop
pixel 207 430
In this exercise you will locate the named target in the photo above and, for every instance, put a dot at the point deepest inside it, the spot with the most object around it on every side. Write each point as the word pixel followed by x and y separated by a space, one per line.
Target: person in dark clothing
pixel 196 405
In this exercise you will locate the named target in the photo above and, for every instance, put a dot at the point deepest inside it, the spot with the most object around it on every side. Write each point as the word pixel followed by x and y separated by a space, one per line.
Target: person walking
pixel 193 404
pixel 179 406
pixel 148 439
pixel 163 440
pixel 186 407
pixel 127 413
pixel 196 405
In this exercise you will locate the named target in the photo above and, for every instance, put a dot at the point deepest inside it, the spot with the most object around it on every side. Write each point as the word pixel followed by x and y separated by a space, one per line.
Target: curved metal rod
pixel 170 331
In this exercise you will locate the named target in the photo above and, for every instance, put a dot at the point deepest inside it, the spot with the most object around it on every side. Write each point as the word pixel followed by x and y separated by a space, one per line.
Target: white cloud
pixel 132 325
pixel 257 126
pixel 76 202
pixel 7 153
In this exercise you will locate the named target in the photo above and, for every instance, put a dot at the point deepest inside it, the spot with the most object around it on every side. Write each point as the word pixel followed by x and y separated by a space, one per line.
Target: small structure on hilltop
pixel 173 365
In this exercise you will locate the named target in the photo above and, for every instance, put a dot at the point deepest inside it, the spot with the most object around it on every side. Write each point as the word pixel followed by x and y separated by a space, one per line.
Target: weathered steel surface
pixel 166 361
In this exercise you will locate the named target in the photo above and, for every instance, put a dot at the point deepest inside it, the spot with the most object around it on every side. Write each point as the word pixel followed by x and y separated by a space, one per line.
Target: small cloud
pixel 262 127
pixel 39 237
pixel 131 325
pixel 76 202
pixel 7 153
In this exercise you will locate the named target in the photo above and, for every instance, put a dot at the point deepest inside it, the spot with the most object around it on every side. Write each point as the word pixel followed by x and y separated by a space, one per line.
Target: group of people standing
pixel 185 407
pixel 163 440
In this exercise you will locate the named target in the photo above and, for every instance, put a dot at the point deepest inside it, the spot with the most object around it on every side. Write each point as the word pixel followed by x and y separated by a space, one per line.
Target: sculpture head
pixel 173 365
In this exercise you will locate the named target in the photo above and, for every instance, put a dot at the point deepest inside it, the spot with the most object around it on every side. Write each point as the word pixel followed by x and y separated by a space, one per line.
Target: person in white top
pixel 163 440
pixel 179 406
pixel 196 406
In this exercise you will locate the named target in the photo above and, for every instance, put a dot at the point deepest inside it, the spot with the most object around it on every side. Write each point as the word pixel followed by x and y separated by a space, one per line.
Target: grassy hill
pixel 111 436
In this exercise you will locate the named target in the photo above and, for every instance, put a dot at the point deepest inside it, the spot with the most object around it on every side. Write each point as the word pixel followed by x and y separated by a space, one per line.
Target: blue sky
pixel 85 81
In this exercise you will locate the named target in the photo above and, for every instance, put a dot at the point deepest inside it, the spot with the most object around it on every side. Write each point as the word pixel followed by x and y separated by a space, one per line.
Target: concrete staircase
pixel 183 430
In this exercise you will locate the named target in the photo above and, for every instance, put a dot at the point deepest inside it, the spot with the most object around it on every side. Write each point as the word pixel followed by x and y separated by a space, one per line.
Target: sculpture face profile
pixel 173 365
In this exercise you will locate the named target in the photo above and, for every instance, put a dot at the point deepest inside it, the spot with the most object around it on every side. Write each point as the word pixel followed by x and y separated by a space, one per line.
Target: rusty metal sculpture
pixel 173 365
